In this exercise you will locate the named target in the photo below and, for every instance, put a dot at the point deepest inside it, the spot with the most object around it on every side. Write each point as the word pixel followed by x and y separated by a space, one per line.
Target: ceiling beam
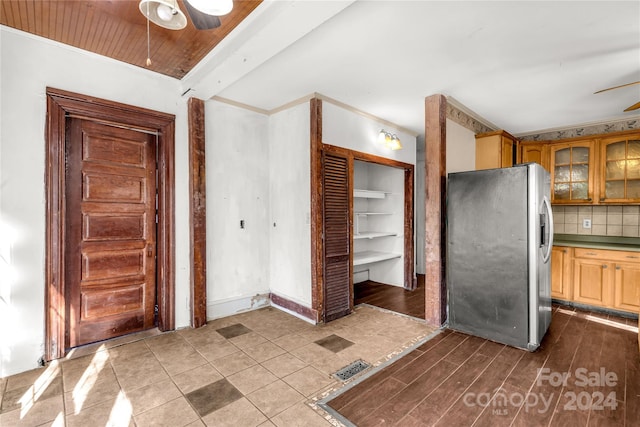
pixel 269 29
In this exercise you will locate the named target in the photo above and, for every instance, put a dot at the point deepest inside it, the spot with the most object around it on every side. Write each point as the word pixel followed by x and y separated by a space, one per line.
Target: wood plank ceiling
pixel 117 29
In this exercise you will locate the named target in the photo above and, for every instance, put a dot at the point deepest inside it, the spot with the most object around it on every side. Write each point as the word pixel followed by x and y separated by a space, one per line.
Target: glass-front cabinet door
pixel 620 171
pixel 572 172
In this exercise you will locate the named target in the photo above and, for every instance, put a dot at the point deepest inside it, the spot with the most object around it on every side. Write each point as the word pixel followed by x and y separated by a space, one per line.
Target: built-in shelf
pixel 373 234
pixel 367 257
pixel 369 194
pixel 372 213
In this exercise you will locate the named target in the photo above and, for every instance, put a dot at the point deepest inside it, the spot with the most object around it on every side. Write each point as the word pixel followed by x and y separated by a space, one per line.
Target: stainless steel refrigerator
pixel 499 239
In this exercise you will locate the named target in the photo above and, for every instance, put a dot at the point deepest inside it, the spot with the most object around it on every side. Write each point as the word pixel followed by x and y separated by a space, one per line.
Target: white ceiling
pixel 522 66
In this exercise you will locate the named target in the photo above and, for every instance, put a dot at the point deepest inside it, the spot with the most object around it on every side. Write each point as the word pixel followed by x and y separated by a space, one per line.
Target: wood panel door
pixel 336 197
pixel 110 231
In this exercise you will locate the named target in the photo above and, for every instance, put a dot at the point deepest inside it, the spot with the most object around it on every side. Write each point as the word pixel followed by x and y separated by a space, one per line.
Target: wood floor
pixel 459 380
pixel 392 298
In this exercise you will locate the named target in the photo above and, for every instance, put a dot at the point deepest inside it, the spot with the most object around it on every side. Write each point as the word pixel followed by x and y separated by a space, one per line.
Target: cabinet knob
pixel 604 265
pixel 602 199
pixel 632 256
pixel 564 251
pixel 617 267
pixel 589 199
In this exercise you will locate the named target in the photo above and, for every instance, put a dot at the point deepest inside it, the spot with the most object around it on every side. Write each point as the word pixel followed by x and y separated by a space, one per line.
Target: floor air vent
pixel 351 370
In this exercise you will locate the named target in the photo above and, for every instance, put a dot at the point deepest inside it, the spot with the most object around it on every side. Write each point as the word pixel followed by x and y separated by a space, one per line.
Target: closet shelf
pixel 372 213
pixel 368 257
pixel 370 194
pixel 373 234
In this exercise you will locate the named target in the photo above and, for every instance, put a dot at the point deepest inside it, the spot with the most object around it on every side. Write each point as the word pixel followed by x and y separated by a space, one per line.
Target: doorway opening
pixel 378 240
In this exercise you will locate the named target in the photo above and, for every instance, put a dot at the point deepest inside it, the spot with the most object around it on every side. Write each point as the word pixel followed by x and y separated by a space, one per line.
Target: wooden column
pixel 435 205
pixel 198 213
pixel 317 248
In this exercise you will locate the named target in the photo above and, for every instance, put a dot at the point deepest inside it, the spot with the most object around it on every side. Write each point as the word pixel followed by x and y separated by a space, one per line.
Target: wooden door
pixel 338 283
pixel 110 231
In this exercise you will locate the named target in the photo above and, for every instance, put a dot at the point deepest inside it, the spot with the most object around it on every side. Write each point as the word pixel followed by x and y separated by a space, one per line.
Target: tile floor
pixel 260 368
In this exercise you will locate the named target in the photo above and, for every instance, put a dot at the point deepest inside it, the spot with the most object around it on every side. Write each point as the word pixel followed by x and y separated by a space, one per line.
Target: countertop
pixel 598 242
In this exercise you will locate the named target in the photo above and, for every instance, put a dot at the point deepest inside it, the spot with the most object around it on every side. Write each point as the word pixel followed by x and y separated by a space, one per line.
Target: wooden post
pixel 435 205
pixel 198 213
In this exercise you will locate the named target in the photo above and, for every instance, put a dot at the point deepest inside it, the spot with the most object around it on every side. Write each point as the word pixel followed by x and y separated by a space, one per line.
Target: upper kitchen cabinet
pixel 535 153
pixel 572 172
pixel 620 169
pixel 495 150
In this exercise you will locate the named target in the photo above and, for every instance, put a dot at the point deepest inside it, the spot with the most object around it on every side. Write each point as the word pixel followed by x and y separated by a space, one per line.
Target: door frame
pixel 60 105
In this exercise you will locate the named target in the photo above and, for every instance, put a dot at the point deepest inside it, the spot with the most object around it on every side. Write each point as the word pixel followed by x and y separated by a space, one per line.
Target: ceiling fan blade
pixel 633 107
pixel 616 87
pixel 200 20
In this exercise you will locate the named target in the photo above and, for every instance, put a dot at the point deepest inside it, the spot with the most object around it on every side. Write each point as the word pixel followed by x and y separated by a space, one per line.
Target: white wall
pixel 345 128
pixel 461 148
pixel 461 156
pixel 28 65
pixel 290 196
pixel 237 156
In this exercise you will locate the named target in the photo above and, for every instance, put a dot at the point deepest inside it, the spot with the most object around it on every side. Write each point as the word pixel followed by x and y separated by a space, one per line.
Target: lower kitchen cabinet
pixel 592 282
pixel 607 278
pixel 627 287
pixel 561 272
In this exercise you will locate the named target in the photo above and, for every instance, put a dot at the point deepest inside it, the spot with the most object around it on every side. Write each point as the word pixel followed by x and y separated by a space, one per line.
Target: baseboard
pixel 294 308
pixel 231 306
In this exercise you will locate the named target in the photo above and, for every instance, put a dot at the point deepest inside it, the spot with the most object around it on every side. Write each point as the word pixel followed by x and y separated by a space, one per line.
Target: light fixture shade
pixel 164 13
pixel 212 7
pixel 395 143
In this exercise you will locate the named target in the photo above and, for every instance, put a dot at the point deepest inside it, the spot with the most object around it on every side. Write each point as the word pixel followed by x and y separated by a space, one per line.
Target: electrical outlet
pixel 586 223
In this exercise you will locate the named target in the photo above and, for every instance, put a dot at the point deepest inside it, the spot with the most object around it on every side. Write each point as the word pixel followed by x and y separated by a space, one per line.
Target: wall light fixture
pixel 390 140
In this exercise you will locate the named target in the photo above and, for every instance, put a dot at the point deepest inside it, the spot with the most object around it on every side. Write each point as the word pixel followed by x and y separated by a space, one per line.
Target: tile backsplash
pixel 605 220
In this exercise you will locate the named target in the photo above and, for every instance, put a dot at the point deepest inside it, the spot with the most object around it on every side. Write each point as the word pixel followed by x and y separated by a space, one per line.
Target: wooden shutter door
pixel 338 292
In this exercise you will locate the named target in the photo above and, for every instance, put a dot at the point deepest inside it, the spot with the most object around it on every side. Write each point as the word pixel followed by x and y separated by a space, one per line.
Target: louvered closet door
pixel 337 261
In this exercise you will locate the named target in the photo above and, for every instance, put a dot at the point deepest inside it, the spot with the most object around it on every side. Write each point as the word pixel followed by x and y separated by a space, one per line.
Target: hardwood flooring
pixel 460 380
pixel 392 298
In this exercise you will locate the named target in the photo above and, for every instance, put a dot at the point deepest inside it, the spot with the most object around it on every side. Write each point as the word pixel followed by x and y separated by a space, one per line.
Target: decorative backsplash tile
pixel 603 220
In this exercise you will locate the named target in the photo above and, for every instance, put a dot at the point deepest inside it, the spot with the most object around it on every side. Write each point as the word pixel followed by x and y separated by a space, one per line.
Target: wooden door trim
pixel 409 262
pixel 317 246
pixel 60 105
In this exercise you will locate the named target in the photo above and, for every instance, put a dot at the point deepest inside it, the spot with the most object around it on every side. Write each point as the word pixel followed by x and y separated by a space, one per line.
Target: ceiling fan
pixel 203 13
pixel 631 108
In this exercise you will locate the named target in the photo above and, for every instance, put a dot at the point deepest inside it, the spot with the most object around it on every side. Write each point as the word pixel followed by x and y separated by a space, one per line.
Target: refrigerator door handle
pixel 547 255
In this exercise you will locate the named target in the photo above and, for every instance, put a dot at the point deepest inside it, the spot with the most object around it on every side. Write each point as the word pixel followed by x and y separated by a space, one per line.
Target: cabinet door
pixel 560 273
pixel 535 153
pixel 572 172
pixel 627 287
pixel 507 152
pixel 591 282
pixel 337 240
pixel 620 171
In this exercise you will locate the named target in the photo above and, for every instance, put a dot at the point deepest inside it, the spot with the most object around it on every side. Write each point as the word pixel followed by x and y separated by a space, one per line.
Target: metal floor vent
pixel 351 370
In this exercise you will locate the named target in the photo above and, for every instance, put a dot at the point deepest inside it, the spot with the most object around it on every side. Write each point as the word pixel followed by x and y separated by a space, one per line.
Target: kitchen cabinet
pixel 627 286
pixel 561 258
pixel 620 169
pixel 607 278
pixel 535 152
pixel 495 150
pixel 572 172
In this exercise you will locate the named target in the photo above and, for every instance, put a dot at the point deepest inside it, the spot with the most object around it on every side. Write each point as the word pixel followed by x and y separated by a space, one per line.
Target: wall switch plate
pixel 586 223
